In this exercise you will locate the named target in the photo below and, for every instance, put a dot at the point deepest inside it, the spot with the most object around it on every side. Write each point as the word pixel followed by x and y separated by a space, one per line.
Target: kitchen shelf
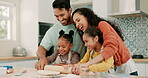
pixel 132 14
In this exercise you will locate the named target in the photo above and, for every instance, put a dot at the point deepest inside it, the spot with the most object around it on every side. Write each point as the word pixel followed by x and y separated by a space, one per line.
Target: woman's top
pixel 71 57
pixel 113 45
pixel 103 66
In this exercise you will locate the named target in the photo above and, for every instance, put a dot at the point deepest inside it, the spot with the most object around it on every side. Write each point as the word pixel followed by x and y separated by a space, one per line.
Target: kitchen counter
pixel 17 58
pixel 141 60
pixel 32 73
pixel 35 57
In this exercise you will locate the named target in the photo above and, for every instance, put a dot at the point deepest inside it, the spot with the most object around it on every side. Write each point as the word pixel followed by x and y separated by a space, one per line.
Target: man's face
pixel 62 15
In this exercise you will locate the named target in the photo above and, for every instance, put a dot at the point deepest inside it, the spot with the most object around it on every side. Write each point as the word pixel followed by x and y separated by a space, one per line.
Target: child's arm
pixel 52 57
pixel 86 57
pixel 75 58
pixel 104 66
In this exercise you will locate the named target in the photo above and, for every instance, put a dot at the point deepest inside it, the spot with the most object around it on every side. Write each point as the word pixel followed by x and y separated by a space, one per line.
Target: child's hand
pixel 84 69
pixel 79 68
pixel 66 67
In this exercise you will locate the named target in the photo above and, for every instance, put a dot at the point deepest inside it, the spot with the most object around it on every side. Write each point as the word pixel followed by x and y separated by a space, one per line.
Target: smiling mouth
pixel 81 27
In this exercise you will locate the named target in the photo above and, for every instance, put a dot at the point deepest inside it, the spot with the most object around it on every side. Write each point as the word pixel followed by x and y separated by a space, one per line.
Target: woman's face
pixel 80 21
pixel 64 46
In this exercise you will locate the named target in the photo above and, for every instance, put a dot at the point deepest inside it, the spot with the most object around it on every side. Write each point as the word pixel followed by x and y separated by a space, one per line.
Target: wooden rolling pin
pixel 57 69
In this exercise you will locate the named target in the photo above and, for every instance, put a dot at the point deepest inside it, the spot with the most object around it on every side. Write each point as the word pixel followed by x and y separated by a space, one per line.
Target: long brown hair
pixel 94 20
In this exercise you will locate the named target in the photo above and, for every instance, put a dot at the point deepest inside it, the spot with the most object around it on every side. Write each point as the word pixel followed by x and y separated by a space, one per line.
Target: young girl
pixel 113 41
pixel 93 39
pixel 64 55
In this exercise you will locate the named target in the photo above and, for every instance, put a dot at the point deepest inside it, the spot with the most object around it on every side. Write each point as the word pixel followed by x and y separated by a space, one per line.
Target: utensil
pixel 19 72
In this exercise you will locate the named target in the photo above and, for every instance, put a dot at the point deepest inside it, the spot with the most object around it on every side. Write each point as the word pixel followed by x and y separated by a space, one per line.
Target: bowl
pixel 19 52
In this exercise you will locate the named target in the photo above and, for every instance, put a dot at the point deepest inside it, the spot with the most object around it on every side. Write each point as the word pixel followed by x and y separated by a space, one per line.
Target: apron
pixel 126 68
pixel 59 60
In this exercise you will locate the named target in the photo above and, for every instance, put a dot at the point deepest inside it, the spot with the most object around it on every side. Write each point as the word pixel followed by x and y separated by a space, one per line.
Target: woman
pixel 113 41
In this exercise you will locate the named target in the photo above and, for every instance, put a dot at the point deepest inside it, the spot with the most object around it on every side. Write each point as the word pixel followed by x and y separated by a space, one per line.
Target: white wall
pixel 6 46
pixel 100 7
pixel 29 25
pixel 46 11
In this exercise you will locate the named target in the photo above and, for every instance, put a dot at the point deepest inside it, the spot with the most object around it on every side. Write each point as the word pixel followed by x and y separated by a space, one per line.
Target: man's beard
pixel 68 20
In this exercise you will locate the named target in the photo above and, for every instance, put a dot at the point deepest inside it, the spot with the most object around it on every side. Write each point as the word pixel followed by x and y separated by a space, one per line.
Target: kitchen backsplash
pixel 135 30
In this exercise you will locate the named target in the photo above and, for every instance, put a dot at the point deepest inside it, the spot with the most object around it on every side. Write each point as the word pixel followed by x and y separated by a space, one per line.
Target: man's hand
pixel 41 64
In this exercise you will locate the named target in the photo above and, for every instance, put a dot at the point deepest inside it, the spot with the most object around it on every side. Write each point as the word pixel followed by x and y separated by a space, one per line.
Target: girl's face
pixel 64 46
pixel 90 42
pixel 80 21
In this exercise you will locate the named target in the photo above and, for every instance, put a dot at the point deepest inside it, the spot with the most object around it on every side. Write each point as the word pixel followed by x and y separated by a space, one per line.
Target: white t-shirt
pixel 51 38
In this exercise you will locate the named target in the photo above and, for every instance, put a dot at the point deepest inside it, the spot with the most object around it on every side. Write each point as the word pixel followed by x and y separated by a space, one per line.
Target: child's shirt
pixel 71 57
pixel 103 66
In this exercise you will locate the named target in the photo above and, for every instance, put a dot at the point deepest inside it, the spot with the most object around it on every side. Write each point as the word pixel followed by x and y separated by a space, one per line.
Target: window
pixel 7 20
pixel 9 26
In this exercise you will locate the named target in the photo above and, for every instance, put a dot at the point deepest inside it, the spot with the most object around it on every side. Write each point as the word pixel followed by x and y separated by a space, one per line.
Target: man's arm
pixel 41 53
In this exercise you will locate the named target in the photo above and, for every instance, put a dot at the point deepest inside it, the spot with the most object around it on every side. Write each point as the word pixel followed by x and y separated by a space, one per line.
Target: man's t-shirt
pixel 51 38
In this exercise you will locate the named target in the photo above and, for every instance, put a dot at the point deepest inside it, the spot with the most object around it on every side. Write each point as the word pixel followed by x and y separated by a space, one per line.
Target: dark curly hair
pixel 93 32
pixel 94 20
pixel 61 4
pixel 67 36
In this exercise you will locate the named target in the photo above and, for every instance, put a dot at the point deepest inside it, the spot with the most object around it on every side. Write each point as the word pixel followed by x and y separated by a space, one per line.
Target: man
pixel 62 12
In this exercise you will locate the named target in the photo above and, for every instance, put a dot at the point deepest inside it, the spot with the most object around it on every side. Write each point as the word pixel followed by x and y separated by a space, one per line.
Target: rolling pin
pixel 57 69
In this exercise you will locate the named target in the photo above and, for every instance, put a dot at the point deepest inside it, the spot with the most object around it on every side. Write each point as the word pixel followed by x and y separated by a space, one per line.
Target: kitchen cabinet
pixel 141 67
pixel 128 8
pixel 146 74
